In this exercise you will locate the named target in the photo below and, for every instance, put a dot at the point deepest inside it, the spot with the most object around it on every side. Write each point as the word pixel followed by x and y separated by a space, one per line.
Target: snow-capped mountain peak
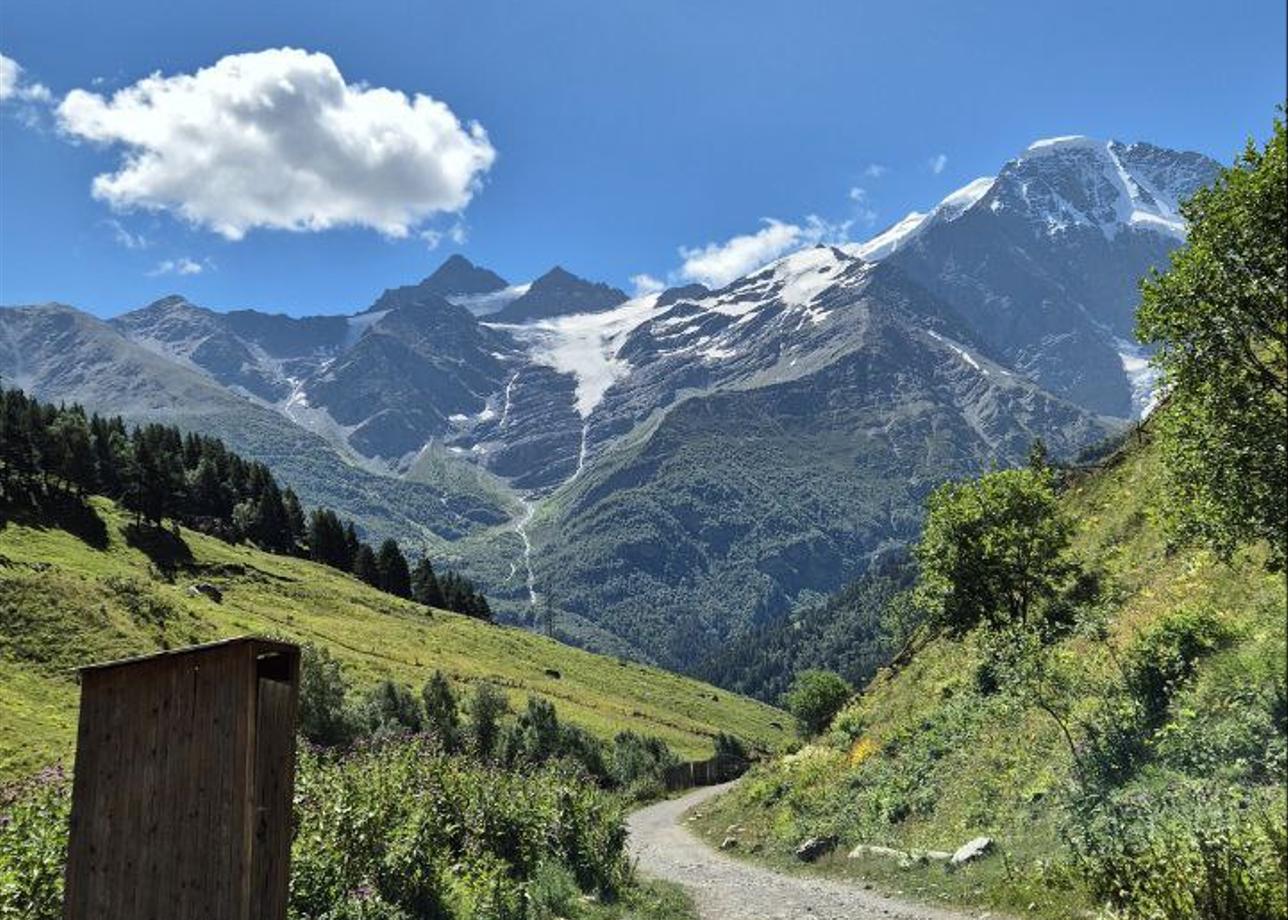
pixel 1064 183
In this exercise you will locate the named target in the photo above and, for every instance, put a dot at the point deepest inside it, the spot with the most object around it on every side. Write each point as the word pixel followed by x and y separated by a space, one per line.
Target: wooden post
pixel 181 801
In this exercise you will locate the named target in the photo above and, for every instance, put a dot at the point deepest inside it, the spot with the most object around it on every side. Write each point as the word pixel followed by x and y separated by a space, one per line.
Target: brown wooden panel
pixel 185 763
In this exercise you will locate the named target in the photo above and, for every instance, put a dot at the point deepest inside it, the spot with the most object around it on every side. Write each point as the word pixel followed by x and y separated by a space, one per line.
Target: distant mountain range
pixel 668 471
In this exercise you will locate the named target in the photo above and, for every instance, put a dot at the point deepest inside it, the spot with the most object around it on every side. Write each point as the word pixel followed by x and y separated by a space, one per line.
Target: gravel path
pixel 729 889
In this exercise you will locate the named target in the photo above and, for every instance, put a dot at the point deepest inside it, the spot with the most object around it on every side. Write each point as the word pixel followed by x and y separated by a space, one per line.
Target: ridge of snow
pixel 1063 142
pixel 953 206
pixel 890 239
pixel 964 198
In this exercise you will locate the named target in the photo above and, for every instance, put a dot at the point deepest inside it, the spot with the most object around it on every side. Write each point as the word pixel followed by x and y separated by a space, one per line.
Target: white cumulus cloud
pixel 938 162
pixel 278 139
pixel 717 264
pixel 14 86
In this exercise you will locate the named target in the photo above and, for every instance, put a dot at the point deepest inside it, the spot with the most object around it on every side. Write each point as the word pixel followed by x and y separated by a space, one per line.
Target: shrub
pixel 1200 853
pixel 387 831
pixel 33 847
pixel 487 706
pixel 815 697
pixel 1165 655
pixel 553 892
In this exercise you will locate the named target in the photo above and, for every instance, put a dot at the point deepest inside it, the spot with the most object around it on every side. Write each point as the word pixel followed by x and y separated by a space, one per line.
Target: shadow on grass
pixel 58 510
pixel 166 549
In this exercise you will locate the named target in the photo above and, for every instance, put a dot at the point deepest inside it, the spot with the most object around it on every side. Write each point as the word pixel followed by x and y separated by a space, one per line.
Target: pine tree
pixel 351 544
pixel 424 584
pixel 394 577
pixel 326 538
pixel 294 517
pixel 364 566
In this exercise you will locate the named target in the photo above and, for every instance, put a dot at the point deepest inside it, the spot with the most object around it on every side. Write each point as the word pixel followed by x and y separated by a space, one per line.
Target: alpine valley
pixel 662 474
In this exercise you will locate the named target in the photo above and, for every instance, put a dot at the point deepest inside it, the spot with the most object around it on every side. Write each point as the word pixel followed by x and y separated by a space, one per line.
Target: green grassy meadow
pixel 66 602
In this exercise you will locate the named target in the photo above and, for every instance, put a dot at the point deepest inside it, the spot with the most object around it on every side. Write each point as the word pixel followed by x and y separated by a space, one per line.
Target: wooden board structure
pixel 185 769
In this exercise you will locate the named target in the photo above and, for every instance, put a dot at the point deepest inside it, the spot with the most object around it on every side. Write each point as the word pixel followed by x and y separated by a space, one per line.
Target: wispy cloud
pixel 279 139
pixel 124 237
pixel 937 163
pixel 863 210
pixel 457 233
pixel 180 266
pixel 645 283
pixel 875 171
pixel 718 263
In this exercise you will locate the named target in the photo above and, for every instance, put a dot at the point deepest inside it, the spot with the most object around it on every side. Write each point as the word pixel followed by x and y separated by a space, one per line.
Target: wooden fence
pixel 719 769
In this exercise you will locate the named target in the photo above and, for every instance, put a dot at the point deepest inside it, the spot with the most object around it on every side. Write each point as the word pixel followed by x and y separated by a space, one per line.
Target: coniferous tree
pixel 364 566
pixel 394 577
pixel 424 584
pixel 294 517
pixel 326 539
pixel 351 544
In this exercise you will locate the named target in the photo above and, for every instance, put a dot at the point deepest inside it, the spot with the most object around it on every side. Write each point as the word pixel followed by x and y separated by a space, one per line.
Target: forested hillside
pixel 51 457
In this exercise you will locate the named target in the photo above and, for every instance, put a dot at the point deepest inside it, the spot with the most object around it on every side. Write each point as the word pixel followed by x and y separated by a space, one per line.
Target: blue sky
pixel 616 134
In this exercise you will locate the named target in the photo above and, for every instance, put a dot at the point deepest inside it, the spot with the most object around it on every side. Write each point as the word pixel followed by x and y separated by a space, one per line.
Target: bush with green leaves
pixel 815 697
pixel 1165 656
pixel 33 846
pixel 1198 852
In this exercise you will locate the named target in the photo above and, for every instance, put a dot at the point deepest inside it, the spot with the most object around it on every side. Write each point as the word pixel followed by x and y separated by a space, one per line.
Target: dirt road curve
pixel 728 889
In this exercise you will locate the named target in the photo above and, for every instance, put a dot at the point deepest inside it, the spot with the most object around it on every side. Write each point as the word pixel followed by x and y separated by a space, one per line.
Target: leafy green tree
pixel 390 708
pixel 815 697
pixel 1220 318
pixel 993 550
pixel 323 716
pixel 486 708
pixel 441 716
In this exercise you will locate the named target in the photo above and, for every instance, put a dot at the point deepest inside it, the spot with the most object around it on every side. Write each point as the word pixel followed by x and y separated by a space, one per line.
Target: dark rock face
pixel 559 293
pixel 458 275
pixel 423 361
pixel 535 439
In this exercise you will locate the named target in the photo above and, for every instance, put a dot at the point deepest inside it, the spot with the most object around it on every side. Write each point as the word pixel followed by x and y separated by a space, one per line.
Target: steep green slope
pixel 929 756
pixel 64 603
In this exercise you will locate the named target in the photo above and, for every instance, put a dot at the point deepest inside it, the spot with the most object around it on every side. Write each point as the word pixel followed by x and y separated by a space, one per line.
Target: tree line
pixel 480 725
pixel 158 472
